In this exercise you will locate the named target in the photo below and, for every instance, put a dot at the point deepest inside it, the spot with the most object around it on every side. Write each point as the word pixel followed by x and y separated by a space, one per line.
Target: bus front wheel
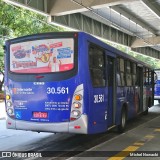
pixel 123 120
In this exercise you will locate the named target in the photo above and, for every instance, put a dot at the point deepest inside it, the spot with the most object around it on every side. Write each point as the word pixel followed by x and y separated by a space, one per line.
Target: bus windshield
pixel 42 56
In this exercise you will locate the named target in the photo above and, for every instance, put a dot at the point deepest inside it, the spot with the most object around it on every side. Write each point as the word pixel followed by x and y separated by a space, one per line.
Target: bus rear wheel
pixel 122 126
pixel 149 105
pixel 145 112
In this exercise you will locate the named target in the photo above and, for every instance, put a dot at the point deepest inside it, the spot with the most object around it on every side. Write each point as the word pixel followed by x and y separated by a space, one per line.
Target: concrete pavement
pixel 139 143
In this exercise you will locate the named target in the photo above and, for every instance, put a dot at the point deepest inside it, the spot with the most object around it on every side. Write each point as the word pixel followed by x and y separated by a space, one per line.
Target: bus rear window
pixel 42 56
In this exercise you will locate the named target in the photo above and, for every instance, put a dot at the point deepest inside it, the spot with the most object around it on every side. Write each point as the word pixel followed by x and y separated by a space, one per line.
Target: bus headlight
pixel 9 104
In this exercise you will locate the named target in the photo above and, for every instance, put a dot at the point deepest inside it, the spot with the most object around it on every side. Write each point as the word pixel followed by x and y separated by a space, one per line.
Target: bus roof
pixel 110 48
pixel 120 53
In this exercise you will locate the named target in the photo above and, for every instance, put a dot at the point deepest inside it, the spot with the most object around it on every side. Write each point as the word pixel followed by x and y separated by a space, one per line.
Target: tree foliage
pixel 20 22
pixel 17 22
pixel 153 62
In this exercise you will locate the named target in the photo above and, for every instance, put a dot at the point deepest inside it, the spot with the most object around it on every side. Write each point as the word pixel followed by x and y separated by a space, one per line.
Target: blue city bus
pixel 157 86
pixel 74 83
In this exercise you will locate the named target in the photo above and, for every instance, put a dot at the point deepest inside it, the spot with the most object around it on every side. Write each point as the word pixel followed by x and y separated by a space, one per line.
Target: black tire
pixel 145 112
pixel 158 100
pixel 122 126
pixel 149 105
pixel 149 102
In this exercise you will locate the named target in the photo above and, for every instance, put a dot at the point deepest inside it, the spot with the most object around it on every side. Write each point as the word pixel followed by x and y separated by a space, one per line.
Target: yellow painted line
pixel 124 153
pixel 130 149
pixel 149 137
pixel 157 130
pixel 138 144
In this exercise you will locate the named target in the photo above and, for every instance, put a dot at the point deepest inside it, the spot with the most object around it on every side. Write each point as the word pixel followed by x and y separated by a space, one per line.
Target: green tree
pixel 17 22
pixel 23 22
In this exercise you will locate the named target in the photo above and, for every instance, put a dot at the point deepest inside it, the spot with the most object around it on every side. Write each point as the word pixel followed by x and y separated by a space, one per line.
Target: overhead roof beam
pixel 152 8
pixel 152 41
pixel 58 7
pixel 25 6
pixel 139 22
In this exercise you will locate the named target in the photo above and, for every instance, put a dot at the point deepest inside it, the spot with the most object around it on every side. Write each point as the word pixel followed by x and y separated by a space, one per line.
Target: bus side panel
pixel 98 111
pixel 132 111
pixel 121 99
pixel 127 97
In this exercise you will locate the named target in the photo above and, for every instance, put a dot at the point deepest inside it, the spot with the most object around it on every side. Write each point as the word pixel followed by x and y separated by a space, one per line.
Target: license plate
pixel 40 114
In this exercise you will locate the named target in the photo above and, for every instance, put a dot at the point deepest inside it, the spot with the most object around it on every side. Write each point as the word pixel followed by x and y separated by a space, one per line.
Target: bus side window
pixel 91 57
pixel 118 73
pixel 146 76
pixel 97 67
pixel 138 82
pixel 134 71
pixel 150 77
pixel 128 73
pixel 121 71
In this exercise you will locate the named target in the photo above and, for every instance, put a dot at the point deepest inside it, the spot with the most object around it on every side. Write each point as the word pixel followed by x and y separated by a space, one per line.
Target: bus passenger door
pixel 110 67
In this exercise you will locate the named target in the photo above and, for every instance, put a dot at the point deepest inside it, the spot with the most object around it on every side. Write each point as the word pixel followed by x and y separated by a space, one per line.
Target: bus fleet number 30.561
pixel 58 90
